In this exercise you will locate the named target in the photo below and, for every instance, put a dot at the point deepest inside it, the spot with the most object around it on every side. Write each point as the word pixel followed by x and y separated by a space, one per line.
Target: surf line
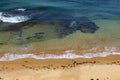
pixel 67 55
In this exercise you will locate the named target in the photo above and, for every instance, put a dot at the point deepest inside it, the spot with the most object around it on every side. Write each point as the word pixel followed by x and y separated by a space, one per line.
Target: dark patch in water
pixel 64 28
pixel 83 24
pixel 86 26
pixel 12 26
pixel 63 25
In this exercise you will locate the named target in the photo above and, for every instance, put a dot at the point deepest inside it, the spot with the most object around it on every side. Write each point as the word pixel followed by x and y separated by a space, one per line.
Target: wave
pixel 20 9
pixel 18 15
pixel 12 19
pixel 69 54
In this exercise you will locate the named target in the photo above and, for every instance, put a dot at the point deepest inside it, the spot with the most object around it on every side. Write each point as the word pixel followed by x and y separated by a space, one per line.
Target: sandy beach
pixel 59 40
pixel 107 68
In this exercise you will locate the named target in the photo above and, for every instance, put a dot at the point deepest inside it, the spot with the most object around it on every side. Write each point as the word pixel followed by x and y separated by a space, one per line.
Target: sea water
pixel 105 13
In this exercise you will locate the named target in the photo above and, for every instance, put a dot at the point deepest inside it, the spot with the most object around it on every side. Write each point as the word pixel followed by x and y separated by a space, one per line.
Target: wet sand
pixel 107 68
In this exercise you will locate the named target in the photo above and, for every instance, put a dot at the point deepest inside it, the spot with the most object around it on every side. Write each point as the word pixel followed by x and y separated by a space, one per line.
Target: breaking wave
pixel 20 9
pixel 12 19
pixel 67 55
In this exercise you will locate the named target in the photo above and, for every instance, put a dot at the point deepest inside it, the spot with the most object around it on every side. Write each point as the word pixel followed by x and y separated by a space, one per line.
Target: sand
pixel 107 68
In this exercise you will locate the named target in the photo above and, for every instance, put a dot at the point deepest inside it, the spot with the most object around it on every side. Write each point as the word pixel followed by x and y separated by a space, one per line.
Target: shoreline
pixel 107 68
pixel 67 63
pixel 68 54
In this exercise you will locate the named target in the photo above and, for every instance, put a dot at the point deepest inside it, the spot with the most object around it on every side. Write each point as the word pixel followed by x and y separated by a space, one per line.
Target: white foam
pixel 13 19
pixel 20 9
pixel 67 55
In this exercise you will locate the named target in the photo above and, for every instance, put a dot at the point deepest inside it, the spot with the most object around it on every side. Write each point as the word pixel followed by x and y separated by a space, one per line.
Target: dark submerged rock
pixel 39 35
pixel 2 43
pixel 85 25
pixel 88 27
pixel 66 27
pixel 8 27
pixel 63 28
pixel 1 22
pixel 13 26
pixel 60 27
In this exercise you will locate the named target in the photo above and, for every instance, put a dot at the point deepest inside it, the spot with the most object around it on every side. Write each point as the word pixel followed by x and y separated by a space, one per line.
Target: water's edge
pixel 69 54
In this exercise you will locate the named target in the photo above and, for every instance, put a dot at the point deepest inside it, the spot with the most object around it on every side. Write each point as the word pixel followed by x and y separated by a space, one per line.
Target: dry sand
pixel 107 68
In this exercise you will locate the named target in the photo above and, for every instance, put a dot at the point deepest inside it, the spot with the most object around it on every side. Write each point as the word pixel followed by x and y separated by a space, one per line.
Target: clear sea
pixel 104 13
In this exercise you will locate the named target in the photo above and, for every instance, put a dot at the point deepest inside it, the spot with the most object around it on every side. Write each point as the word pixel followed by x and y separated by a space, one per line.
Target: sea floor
pixel 107 36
